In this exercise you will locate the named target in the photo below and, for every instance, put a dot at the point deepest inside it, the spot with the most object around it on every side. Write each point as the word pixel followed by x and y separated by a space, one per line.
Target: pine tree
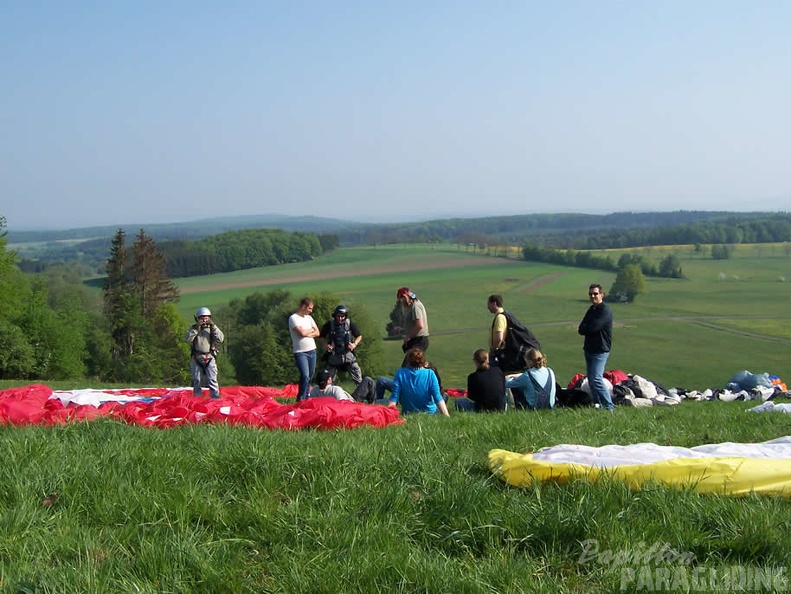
pixel 119 300
pixel 145 338
pixel 153 287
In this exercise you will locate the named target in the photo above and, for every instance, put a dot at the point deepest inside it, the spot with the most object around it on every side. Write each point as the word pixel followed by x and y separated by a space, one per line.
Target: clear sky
pixel 155 111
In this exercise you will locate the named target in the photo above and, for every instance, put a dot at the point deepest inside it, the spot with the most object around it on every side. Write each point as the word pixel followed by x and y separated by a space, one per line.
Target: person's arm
pixel 358 338
pixel 218 333
pixel 595 319
pixel 396 391
pixel 312 332
pixel 520 381
pixel 499 326
pixel 436 395
pixel 471 394
pixel 191 333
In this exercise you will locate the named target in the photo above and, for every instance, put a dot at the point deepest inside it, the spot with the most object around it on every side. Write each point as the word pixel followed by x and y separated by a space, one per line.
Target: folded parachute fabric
pixel 726 468
pixel 168 407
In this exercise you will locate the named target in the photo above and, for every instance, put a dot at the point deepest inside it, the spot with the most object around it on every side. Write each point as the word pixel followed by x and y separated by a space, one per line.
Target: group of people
pixel 416 385
pixel 534 386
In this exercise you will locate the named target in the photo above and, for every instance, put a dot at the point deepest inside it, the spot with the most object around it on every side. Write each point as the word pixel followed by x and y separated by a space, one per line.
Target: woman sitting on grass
pixel 416 387
pixel 535 388
pixel 485 386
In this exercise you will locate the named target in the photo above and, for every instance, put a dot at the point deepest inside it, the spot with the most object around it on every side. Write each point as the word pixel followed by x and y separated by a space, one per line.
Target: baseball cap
pixel 322 376
pixel 404 291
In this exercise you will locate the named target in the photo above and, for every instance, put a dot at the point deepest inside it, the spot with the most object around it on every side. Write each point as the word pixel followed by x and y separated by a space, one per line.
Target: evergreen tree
pixel 153 287
pixel 146 343
pixel 120 305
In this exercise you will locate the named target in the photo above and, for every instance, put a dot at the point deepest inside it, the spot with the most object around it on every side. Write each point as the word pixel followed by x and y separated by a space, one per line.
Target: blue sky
pixel 162 111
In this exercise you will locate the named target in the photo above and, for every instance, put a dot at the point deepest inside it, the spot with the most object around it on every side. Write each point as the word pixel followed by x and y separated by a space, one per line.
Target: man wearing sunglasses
pixel 596 327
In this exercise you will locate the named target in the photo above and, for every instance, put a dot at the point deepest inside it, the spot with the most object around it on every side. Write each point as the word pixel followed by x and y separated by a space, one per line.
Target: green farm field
pixel 695 333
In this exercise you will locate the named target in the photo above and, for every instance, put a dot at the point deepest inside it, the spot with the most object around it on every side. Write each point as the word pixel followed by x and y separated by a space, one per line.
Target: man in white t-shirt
pixel 304 331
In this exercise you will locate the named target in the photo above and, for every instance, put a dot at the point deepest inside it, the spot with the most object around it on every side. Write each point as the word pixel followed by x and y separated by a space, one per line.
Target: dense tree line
pixel 226 252
pixel 52 327
pixel 192 251
pixel 566 230
pixel 732 230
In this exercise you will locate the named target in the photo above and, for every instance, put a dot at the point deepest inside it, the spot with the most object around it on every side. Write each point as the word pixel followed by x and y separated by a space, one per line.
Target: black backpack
pixel 518 340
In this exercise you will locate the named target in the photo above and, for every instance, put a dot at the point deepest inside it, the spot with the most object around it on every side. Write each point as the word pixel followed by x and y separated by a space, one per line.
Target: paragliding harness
pixel 201 358
pixel 518 340
pixel 340 337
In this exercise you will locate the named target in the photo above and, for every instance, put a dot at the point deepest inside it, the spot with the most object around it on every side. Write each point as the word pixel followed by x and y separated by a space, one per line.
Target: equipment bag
pixel 518 340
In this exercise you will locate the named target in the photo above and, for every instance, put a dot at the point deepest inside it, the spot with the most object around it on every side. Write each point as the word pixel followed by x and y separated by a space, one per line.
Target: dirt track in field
pixel 431 265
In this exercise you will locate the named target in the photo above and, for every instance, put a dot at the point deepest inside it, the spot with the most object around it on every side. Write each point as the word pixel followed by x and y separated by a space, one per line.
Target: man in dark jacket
pixel 596 327
pixel 341 337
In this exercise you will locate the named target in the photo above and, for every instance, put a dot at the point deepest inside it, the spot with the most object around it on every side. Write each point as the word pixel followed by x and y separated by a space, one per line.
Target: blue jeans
pixel 595 363
pixel 383 384
pixel 465 405
pixel 306 363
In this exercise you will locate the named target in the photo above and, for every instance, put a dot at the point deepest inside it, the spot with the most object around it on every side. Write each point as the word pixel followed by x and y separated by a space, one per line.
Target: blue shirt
pixel 541 375
pixel 416 389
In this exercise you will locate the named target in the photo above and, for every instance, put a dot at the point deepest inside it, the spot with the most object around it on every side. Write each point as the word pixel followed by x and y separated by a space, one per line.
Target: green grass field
pixel 107 507
pixel 695 333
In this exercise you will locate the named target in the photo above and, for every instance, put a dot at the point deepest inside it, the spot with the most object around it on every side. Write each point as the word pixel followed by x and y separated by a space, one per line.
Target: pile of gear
pixel 635 390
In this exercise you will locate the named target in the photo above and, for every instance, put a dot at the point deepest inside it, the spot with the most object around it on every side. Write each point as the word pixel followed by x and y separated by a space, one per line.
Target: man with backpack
pixel 341 337
pixel 509 339
pixel 204 337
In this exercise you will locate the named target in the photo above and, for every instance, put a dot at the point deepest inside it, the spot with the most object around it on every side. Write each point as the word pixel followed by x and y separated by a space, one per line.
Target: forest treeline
pixel 584 231
pixel 242 250
pixel 254 246
pixel 54 327
pixel 225 252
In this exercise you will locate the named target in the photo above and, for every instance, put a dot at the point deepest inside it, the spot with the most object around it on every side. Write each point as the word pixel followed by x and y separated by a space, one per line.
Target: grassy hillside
pixel 727 315
pixel 105 507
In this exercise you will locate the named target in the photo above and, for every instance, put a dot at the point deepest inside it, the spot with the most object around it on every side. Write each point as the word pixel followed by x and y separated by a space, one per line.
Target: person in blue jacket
pixel 416 387
pixel 536 385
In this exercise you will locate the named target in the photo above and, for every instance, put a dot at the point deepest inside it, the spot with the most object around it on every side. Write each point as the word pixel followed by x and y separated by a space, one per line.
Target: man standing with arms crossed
pixel 596 327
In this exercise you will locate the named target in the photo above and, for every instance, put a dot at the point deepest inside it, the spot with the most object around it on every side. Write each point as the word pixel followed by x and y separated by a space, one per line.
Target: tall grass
pixel 408 508
pixel 106 507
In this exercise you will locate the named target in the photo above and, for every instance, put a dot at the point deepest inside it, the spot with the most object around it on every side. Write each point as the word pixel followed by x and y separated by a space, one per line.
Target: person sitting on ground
pixel 485 386
pixel 326 388
pixel 364 392
pixel 385 384
pixel 416 386
pixel 535 388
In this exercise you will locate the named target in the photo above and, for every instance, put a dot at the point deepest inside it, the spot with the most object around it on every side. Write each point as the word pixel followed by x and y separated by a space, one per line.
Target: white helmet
pixel 202 311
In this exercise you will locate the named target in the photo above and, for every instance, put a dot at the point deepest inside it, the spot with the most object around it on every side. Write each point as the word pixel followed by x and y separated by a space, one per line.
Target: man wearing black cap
pixel 325 387
pixel 415 319
pixel 364 392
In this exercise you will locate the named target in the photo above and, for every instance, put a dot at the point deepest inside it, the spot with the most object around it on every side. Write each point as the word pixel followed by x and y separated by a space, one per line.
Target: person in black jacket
pixel 485 386
pixel 596 327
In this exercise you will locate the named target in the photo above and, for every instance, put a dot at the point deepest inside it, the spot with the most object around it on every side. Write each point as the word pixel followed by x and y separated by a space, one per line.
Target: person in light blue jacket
pixel 416 387
pixel 536 384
